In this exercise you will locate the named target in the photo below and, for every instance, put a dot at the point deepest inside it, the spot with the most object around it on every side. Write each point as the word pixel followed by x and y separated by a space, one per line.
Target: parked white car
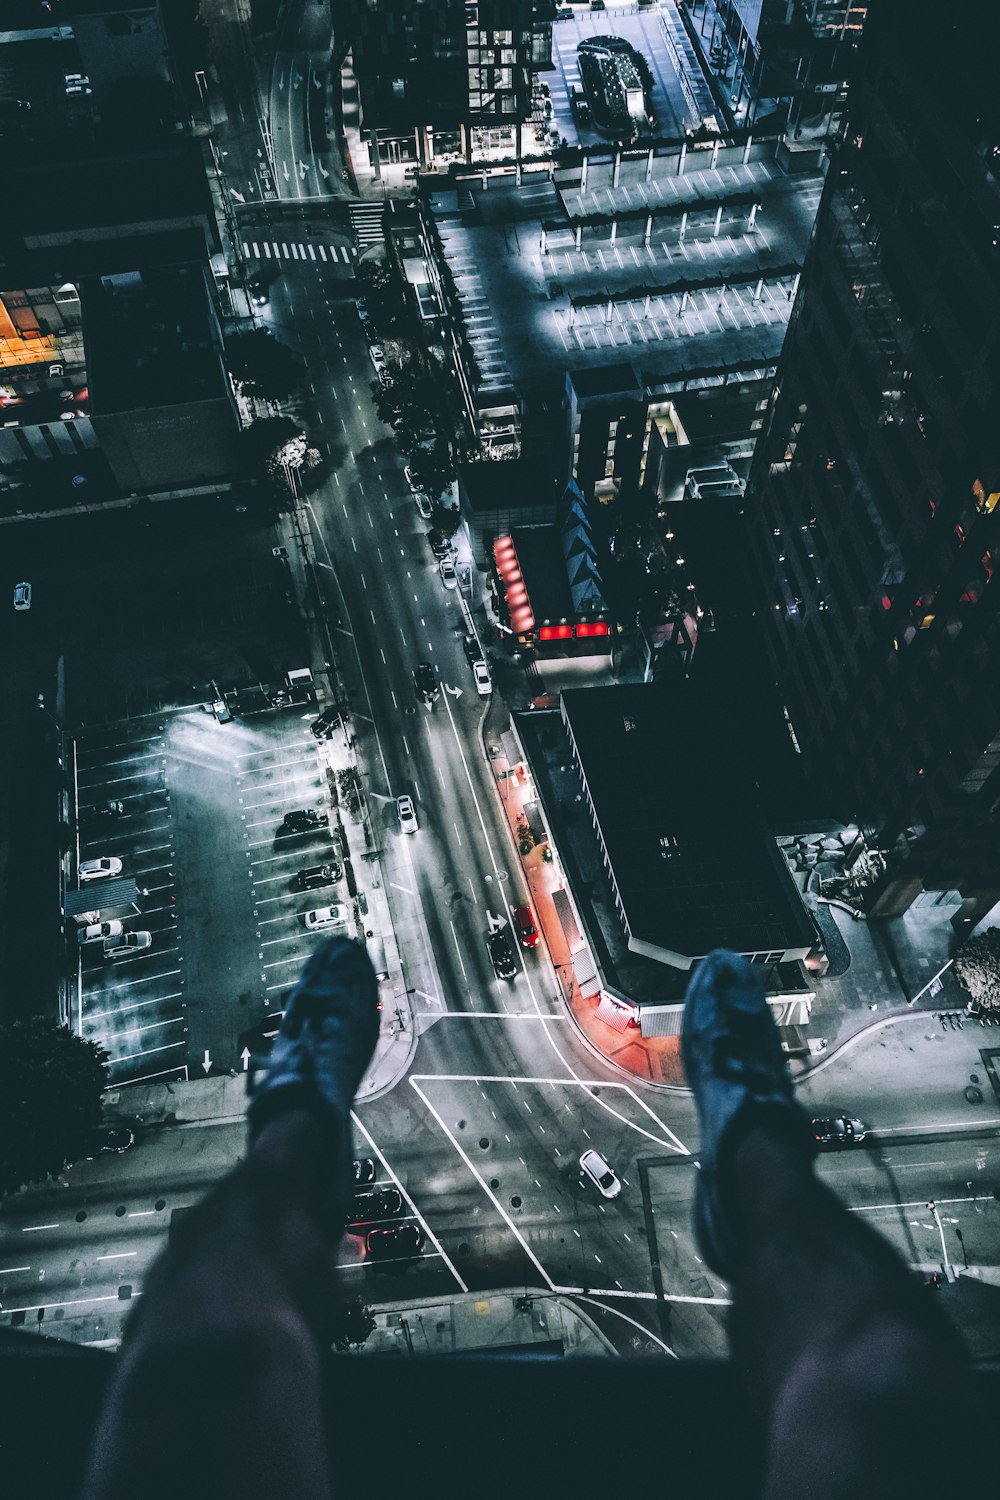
pixel 484 682
pixel 22 596
pixel 326 916
pixel 125 946
pixel 105 868
pixel 99 932
pixel 377 355
pixel 424 506
pixel 448 575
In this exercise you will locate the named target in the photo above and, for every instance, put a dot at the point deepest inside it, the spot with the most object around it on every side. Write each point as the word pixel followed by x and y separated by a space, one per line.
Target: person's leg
pixel 221 1370
pixel 838 1346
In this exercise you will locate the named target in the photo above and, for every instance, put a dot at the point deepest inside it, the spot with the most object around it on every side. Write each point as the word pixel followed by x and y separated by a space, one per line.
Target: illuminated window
pixel 927 622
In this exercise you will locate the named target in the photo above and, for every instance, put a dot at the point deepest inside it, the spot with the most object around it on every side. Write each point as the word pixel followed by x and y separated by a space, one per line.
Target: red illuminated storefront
pixel 540 603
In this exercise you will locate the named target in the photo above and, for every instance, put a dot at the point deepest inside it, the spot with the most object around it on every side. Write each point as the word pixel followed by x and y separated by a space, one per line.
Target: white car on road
pixel 407 814
pixel 593 1165
pixel 326 916
pixel 448 575
pixel 100 869
pixel 484 682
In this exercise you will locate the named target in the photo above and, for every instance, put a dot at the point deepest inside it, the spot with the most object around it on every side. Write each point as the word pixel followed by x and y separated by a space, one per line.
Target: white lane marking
pixel 485 1187
pixel 417 1214
pixel 119 1255
pixel 404 888
pixel 457 834
pixel 593 1291
pixel 9 1270
pixel 567 1083
pixel 473 890
pixel 458 951
pixel 35 1228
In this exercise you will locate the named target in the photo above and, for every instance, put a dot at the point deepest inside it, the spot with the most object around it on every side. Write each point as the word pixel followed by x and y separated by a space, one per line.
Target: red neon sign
pixel 595 627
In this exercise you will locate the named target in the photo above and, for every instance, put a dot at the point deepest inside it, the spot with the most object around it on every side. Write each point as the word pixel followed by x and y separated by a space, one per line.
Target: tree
pixel 262 366
pixel 50 1099
pixel 433 469
pixel 356 1322
pixel 977 966
pixel 277 449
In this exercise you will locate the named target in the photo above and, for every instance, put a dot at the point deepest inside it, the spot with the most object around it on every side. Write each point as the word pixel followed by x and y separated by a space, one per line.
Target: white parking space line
pixel 115 1036
pixel 295 937
pixel 103 1015
pixel 154 849
pixel 296 958
pixel 358 1124
pixel 127 984
pixel 147 1052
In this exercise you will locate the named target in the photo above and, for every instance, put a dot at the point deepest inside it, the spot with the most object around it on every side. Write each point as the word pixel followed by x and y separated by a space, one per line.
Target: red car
pixel 526 929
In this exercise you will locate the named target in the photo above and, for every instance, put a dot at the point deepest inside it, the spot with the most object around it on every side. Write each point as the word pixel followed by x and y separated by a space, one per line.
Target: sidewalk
pixel 879 971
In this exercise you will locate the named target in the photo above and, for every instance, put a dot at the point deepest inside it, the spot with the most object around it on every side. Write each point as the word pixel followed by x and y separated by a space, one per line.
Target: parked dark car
pixel 323 727
pixel 109 1140
pixel 441 546
pixel 473 650
pixel 502 955
pixel 838 1132
pixel 369 1208
pixel 401 1242
pixel 316 876
pixel 301 821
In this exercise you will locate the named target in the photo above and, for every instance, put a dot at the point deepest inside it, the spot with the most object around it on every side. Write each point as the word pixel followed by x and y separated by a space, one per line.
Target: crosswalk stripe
pixel 312 251
pixel 267 252
pixel 284 251
pixel 322 251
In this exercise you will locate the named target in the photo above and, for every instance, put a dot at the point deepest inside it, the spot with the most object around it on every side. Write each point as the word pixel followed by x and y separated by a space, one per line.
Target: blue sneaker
pixel 737 1072
pixel 325 1042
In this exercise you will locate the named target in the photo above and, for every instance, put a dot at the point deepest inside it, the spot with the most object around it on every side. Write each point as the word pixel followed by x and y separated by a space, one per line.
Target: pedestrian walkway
pixel 265 250
pixel 881 971
pixel 653 1059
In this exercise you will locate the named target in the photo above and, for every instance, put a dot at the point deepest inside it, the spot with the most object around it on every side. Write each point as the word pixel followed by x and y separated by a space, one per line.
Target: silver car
pixel 129 943
pixel 105 868
pixel 593 1165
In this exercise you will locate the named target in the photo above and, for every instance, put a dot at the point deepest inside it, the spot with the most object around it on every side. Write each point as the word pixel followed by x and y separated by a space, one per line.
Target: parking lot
pixel 200 831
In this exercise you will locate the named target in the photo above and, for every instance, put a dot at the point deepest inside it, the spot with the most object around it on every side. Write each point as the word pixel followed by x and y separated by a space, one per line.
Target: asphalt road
pixel 483 1135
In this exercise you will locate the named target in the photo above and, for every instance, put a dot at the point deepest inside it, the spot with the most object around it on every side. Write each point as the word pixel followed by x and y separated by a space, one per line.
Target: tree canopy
pixel 261 365
pixel 977 965
pixel 51 1083
pixel 433 469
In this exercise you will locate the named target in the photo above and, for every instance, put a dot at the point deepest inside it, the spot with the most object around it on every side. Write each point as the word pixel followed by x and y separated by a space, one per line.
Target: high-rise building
pixel 446 76
pixel 794 56
pixel 874 498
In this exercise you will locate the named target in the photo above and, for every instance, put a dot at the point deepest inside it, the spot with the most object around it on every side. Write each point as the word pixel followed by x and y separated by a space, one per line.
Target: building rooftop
pixel 668 307
pixel 149 339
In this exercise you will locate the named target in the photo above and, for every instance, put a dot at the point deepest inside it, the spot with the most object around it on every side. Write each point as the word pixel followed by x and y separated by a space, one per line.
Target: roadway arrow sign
pixel 455 692
pixel 207 1061
pixel 245 1058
